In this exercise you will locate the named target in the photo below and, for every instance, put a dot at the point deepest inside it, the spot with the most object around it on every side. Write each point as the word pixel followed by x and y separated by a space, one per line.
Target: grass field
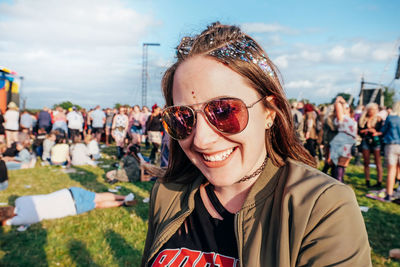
pixel 115 237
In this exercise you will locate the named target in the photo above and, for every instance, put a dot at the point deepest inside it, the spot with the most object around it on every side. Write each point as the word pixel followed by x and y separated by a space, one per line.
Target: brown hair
pixel 280 140
pixel 6 213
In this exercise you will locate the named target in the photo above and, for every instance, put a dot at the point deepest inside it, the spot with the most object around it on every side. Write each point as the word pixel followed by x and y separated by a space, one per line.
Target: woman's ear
pixel 270 113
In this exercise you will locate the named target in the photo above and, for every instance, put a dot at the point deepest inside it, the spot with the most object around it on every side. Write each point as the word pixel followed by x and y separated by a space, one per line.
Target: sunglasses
pixel 227 115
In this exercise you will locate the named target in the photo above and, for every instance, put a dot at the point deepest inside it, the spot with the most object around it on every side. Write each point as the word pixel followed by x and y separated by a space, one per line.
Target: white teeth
pixel 218 157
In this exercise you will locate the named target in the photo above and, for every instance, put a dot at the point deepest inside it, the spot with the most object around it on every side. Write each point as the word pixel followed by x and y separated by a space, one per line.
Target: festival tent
pixel 9 87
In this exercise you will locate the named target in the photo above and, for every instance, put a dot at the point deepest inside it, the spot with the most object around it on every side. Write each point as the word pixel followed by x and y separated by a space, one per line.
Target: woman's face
pixel 223 159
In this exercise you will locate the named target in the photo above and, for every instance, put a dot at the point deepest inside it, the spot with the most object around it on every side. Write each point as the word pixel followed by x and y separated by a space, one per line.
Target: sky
pixel 90 52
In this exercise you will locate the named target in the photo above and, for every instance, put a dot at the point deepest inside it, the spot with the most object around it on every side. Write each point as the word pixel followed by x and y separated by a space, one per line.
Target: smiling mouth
pixel 218 156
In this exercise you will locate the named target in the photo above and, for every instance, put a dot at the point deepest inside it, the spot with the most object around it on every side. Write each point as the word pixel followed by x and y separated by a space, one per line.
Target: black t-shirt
pixel 201 239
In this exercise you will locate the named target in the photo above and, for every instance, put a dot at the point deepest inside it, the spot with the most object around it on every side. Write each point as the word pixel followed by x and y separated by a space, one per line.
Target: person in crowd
pixel 26 122
pixel 60 120
pixel 3 175
pixel 383 113
pixel 108 125
pixel 358 112
pixel 98 118
pixel 119 130
pixel 153 131
pixel 24 159
pixel 240 189
pixel 340 146
pixel 93 147
pixel 59 204
pixel 164 154
pixel 391 137
pixel 59 154
pixel 86 122
pixel 369 126
pixel 329 132
pixel 310 130
pixel 133 168
pixel 2 130
pixel 11 123
pixel 79 153
pixel 298 121
pixel 44 119
pixel 37 145
pixel 75 123
pixel 47 145
pixel 135 128
pixel 145 116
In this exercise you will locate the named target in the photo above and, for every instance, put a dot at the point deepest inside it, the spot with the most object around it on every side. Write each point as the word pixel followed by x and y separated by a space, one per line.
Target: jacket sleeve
pixel 335 233
pixel 151 226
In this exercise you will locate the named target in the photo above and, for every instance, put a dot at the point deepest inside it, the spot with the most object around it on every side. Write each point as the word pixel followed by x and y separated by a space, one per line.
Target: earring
pixel 269 124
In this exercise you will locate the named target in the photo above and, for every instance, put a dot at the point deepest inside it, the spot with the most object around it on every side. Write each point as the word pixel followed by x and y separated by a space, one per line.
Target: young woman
pixel 119 129
pixel 239 189
pixel 369 126
pixel 340 146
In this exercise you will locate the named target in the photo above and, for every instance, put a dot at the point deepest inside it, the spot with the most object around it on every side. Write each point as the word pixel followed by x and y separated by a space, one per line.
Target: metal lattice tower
pixel 144 71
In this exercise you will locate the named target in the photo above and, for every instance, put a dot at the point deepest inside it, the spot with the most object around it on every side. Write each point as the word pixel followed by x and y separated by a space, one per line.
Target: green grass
pixel 115 237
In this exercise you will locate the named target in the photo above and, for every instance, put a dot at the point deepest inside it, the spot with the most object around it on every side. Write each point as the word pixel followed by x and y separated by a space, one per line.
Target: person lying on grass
pixel 62 203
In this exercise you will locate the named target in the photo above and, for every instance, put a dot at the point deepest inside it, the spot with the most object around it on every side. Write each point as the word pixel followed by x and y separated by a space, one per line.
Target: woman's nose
pixel 204 133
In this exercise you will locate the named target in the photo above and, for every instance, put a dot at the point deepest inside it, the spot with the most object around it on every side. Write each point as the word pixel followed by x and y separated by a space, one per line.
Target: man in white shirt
pixel 75 123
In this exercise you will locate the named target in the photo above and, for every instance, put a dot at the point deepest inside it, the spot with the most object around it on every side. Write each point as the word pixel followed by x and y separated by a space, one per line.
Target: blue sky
pixel 90 52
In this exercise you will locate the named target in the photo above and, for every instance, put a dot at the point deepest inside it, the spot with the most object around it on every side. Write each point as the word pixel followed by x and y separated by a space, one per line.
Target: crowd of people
pixel 72 137
pixel 336 133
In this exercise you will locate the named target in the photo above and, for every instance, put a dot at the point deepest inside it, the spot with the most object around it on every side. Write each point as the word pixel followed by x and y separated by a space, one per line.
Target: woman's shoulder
pixel 309 183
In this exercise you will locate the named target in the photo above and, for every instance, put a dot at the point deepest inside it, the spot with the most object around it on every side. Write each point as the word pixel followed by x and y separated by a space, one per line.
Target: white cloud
pixel 82 49
pixel 299 84
pixel 282 61
pixel 337 53
pixel 258 27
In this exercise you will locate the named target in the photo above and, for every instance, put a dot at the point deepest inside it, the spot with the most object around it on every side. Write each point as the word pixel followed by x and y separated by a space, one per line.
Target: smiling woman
pixel 240 189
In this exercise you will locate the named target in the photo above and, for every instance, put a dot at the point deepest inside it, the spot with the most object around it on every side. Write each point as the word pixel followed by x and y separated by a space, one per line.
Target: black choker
pixel 255 173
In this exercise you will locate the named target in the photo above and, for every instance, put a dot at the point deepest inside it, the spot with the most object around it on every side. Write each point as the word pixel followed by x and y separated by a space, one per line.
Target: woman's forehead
pixel 202 78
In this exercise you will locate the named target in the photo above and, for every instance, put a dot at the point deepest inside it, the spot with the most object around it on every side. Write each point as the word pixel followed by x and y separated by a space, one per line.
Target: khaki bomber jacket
pixel 294 215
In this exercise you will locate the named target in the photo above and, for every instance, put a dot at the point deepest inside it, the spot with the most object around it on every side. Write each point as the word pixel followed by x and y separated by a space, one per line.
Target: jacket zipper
pixel 237 235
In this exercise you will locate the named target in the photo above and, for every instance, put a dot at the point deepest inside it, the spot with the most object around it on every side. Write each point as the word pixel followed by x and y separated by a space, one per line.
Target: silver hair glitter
pixel 242 49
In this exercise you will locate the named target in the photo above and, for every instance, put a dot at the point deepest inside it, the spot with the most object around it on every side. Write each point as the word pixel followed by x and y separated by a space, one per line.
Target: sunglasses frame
pixel 201 110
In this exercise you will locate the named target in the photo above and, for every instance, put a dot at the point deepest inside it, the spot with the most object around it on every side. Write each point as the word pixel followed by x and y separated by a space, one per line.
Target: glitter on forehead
pixel 194 97
pixel 243 49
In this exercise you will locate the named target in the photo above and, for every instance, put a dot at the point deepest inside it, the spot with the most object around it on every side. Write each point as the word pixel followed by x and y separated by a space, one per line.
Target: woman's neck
pixel 233 197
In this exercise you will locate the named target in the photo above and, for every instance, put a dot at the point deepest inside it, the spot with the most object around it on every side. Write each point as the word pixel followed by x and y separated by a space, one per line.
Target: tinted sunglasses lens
pixel 228 115
pixel 178 121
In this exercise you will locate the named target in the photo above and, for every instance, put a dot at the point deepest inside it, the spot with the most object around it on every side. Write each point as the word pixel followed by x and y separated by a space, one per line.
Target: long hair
pixel 6 213
pixel 364 116
pixel 280 140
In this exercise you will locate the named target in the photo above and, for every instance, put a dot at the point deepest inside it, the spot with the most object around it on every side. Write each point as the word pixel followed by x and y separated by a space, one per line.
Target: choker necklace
pixel 255 173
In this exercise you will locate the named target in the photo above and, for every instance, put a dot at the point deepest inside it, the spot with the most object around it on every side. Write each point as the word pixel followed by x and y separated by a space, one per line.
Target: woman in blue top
pixel 391 137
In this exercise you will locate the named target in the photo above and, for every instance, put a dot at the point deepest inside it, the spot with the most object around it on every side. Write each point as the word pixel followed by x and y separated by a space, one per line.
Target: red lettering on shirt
pixel 206 258
pixel 221 260
pixel 188 257
pixel 165 257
